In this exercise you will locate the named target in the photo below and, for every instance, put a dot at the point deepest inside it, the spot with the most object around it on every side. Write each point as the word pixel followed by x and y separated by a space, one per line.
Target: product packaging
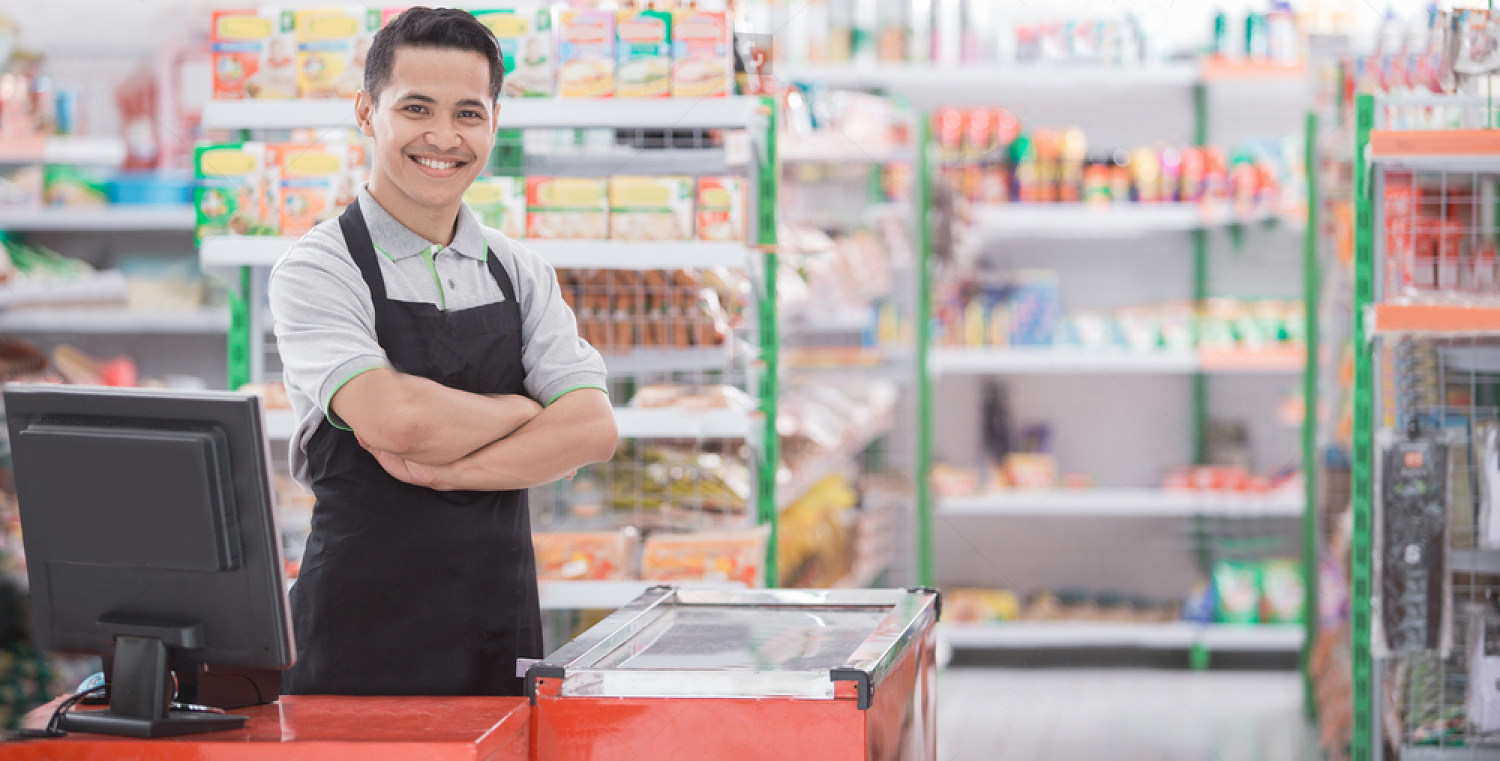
pixel 499 202
pixel 721 208
pixel 643 54
pixel 706 556
pixel 1484 668
pixel 331 47
pixel 1413 583
pixel 21 186
pixel 1035 308
pixel 1236 592
pixel 315 184
pixel 254 54
pixel 586 54
pixel 237 191
pixel 650 208
pixel 1281 592
pixel 585 555
pixel 525 35
pixel 567 208
pixel 702 56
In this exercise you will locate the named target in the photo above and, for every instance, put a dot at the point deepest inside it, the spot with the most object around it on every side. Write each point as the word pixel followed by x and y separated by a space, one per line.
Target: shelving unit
pixel 1176 635
pixel 113 320
pixel 1118 503
pixel 1082 220
pixel 76 150
pixel 1065 361
pixel 116 218
pixel 809 474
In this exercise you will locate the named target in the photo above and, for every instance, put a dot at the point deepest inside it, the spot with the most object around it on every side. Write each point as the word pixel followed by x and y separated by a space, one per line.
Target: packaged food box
pixel 706 556
pixel 702 54
pixel 1281 592
pixel 650 208
pixel 254 54
pixel 586 54
pixel 499 202
pixel 331 47
pixel 21 186
pixel 237 191
pixel 1236 592
pixel 643 54
pixel 721 208
pixel 580 556
pixel 315 184
pixel 525 35
pixel 567 208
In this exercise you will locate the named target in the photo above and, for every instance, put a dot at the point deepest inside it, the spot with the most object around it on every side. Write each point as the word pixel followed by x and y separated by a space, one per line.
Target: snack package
pixel 579 556
pixel 702 59
pixel 1281 592
pixel 237 191
pixel 721 208
pixel 254 54
pixel 1236 592
pixel 586 54
pixel 331 47
pixel 499 202
pixel 707 556
pixel 567 208
pixel 525 35
pixel 315 184
pixel 650 208
pixel 643 54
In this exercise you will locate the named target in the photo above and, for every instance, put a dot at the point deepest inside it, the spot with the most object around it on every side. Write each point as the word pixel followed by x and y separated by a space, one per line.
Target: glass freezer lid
pixel 746 643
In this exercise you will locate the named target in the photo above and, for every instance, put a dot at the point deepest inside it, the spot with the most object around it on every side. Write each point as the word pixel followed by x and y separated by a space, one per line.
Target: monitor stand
pixel 140 695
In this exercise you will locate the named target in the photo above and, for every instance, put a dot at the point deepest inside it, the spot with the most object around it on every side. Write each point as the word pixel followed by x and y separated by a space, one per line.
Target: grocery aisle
pixel 1121 715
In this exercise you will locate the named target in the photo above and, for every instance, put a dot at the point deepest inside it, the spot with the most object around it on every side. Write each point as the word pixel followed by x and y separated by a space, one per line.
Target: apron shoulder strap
pixel 501 276
pixel 362 250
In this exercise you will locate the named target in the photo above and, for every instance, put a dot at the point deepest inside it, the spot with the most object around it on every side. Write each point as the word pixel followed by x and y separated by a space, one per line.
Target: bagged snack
pixel 586 54
pixel 707 556
pixel 643 50
pixel 578 556
pixel 254 54
pixel 721 208
pixel 237 191
pixel 499 202
pixel 331 47
pixel 567 208
pixel 1236 592
pixel 525 35
pixel 314 179
pixel 702 59
pixel 1281 592
pixel 650 208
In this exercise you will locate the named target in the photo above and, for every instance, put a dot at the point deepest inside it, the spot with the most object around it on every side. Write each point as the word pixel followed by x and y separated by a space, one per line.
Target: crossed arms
pixel 427 434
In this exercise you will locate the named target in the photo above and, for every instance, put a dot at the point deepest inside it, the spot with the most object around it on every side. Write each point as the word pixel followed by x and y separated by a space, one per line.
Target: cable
pixel 52 729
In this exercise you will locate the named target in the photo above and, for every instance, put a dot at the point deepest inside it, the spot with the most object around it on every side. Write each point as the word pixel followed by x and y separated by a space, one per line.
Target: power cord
pixel 52 729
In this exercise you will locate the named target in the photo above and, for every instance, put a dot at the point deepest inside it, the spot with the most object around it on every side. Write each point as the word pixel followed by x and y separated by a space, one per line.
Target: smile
pixel 438 165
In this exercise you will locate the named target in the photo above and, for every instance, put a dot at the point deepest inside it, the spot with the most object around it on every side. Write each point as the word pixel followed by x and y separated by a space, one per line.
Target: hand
pixel 522 407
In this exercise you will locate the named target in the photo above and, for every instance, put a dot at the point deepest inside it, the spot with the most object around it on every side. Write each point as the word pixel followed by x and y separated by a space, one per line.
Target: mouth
pixel 438 168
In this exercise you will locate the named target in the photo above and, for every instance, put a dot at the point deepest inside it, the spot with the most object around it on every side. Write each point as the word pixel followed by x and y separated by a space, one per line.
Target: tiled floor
pixel 1121 715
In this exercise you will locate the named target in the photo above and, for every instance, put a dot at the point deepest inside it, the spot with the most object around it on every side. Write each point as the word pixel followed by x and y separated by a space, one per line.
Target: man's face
pixel 433 124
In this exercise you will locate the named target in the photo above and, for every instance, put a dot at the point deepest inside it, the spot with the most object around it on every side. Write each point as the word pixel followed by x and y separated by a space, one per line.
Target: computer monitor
pixel 150 536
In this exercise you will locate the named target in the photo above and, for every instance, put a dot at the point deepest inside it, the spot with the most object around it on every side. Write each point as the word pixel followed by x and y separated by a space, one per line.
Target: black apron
pixel 406 590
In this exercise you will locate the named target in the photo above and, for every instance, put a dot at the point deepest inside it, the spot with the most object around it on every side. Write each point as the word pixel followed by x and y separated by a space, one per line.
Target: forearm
pixel 438 425
pixel 575 431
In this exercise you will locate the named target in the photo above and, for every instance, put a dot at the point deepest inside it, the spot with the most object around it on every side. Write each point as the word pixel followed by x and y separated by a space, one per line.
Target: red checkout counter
pixel 676 675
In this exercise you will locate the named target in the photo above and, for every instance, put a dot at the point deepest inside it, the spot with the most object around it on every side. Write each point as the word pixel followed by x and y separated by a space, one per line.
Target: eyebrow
pixel 420 98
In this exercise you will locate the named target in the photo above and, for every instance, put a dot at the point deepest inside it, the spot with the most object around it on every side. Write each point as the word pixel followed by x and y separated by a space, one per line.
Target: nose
pixel 444 138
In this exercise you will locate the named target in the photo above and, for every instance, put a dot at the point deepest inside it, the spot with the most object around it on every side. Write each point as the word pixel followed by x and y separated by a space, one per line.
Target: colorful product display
pixel 621 310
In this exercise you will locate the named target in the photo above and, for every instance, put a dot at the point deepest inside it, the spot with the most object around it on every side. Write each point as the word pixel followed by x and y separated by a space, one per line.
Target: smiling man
pixel 437 374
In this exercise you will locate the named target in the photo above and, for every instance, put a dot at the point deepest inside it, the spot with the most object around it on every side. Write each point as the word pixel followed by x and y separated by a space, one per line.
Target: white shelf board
pixel 1476 561
pixel 1122 503
pixel 669 423
pixel 1054 360
pixel 113 320
pixel 242 250
pixel 515 113
pixel 642 255
pixel 650 361
pixel 281 425
pixel 608 595
pixel 1087 220
pixel 841 150
pixel 820 467
pixel 78 150
pixel 103 218
pixel 993 78
pixel 1451 753
pixel 1156 636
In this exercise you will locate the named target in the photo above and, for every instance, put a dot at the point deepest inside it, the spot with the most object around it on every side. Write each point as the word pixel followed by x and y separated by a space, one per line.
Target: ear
pixel 364 107
pixel 495 115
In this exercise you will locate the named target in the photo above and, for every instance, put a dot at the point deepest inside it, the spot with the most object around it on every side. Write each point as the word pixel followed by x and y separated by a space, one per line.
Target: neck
pixel 436 224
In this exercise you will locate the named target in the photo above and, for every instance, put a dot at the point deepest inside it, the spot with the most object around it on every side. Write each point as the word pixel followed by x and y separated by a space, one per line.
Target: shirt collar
pixel 398 242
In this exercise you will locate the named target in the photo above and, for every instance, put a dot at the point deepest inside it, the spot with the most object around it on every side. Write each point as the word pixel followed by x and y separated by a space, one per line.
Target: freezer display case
pixel 747 674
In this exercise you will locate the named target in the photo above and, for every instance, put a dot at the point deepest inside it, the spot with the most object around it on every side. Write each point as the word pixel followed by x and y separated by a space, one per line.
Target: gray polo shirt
pixel 325 319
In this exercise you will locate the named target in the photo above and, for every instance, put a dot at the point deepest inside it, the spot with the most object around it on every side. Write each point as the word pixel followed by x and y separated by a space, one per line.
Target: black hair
pixel 431 28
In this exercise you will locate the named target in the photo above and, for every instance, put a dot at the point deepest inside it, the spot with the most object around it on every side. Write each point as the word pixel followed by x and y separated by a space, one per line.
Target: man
pixel 436 374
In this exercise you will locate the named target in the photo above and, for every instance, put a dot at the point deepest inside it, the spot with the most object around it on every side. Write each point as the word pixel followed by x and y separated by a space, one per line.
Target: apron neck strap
pixel 362 250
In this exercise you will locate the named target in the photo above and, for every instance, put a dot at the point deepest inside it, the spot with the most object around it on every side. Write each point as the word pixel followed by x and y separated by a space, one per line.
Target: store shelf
pixel 1046 360
pixel 1087 220
pixel 1435 319
pixel 842 150
pixel 113 320
pixel 651 361
pixel 1455 753
pixel 1224 70
pixel 608 595
pixel 643 255
pixel 1476 561
pixel 102 218
pixel 983 80
pixel 607 113
pixel 669 423
pixel 1156 636
pixel 1122 503
pixel 281 425
pixel 78 150
pixel 242 250
pixel 1472 150
pixel 811 472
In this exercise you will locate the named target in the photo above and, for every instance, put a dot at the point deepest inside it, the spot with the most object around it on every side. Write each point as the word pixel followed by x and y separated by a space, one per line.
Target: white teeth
pixel 435 164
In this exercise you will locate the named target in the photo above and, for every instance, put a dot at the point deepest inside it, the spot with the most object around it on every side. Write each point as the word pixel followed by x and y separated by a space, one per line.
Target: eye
pixel 415 109
pixel 470 115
